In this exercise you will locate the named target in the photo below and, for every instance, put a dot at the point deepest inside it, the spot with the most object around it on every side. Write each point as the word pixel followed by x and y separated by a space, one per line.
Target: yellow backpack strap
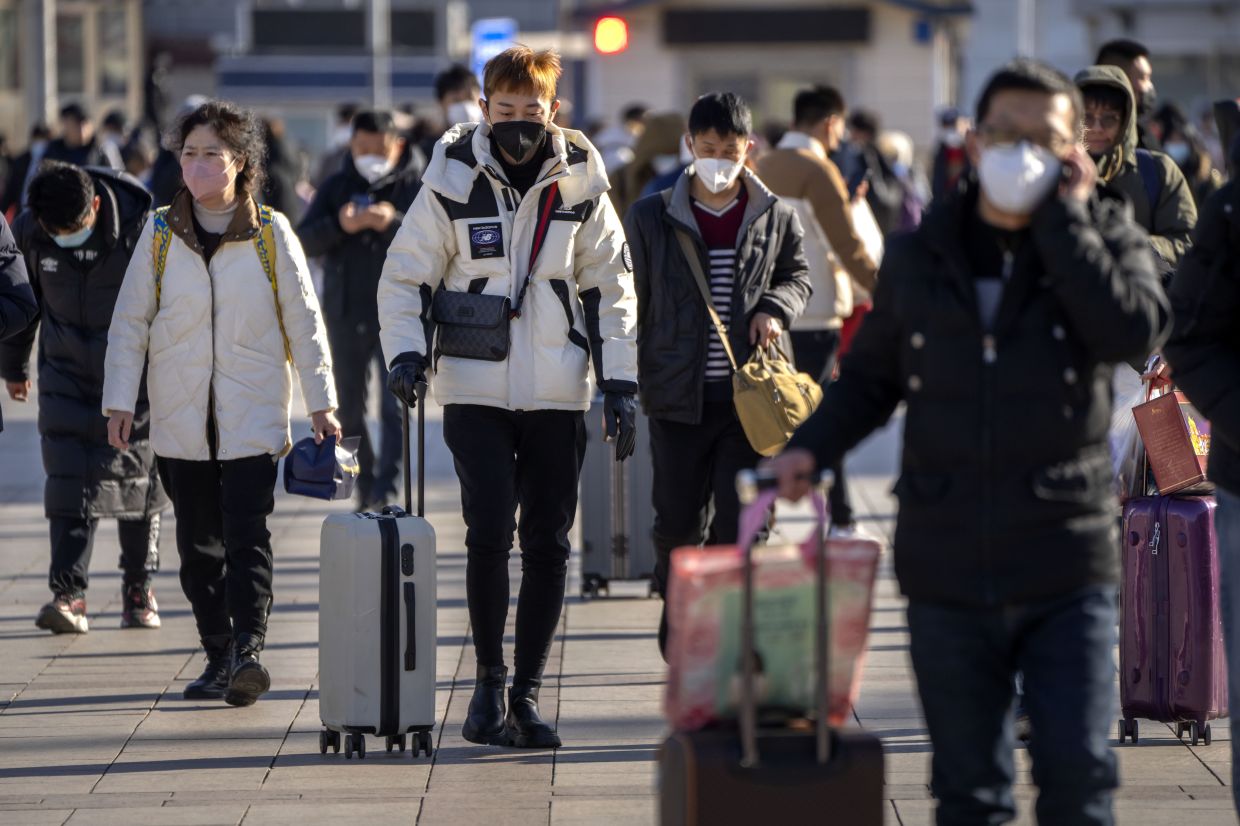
pixel 160 241
pixel 265 244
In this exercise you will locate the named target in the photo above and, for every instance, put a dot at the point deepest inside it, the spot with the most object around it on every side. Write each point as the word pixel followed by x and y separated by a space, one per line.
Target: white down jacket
pixel 468 225
pixel 214 340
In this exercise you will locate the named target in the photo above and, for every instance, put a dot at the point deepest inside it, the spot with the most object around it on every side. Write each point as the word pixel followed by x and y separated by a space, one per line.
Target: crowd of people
pixel 519 267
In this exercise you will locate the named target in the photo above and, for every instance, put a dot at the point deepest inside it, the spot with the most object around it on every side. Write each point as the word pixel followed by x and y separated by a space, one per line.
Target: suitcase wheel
pixel 399 741
pixel 355 743
pixel 1127 729
pixel 1195 731
pixel 422 744
pixel 329 739
pixel 323 741
pixel 1205 735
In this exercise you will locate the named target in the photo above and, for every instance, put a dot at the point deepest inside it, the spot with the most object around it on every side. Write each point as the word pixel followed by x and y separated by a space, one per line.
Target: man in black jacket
pixel 749 245
pixel 18 307
pixel 352 220
pixel 78 144
pixel 998 323
pixel 1204 352
pixel 77 235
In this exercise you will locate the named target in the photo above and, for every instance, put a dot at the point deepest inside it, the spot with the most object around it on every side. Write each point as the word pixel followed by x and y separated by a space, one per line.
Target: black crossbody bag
pixel 470 325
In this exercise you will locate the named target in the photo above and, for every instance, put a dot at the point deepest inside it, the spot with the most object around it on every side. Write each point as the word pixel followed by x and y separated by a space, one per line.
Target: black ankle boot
pixel 249 679
pixel 526 729
pixel 485 722
pixel 213 682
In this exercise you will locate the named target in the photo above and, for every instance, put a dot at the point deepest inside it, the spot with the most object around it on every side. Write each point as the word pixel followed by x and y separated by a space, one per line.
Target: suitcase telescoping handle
pixel 421 512
pixel 757 490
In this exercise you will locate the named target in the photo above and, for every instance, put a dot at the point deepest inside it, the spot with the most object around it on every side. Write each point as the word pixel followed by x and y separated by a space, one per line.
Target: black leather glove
pixel 620 419
pixel 406 377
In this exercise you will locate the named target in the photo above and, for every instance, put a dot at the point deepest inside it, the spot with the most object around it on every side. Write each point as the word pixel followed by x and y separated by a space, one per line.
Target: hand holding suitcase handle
pixel 757 492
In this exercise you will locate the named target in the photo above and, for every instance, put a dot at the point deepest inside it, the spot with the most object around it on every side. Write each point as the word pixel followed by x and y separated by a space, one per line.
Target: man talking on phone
pixel 998 323
pixel 352 220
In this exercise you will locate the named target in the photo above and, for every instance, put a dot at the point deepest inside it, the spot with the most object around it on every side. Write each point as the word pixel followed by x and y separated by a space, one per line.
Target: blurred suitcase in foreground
pixel 377 633
pixel 617 511
pixel 1172 661
pixel 784 774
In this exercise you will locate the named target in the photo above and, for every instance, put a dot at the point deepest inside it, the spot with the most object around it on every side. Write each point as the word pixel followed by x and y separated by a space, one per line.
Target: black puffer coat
pixel 1006 485
pixel 85 476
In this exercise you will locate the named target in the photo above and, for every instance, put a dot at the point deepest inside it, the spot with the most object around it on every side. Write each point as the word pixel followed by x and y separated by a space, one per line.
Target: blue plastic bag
pixel 322 471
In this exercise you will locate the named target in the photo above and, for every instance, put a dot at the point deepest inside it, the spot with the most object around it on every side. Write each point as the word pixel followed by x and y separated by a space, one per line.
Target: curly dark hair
pixel 239 129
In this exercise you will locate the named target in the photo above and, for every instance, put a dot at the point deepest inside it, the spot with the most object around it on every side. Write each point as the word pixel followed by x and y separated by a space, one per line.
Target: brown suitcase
pixel 721 776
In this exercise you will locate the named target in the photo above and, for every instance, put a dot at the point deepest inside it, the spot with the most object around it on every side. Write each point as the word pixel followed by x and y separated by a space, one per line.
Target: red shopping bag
pixel 704 612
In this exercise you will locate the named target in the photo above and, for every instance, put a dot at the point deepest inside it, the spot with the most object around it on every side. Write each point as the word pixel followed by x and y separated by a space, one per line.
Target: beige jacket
pixel 214 340
pixel 799 172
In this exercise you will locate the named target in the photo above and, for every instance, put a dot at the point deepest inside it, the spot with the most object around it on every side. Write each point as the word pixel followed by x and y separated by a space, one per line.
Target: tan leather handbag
pixel 771 397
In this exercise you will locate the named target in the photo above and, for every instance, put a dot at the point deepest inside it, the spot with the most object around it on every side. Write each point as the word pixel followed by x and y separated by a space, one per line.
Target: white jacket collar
pixel 793 139
pixel 464 152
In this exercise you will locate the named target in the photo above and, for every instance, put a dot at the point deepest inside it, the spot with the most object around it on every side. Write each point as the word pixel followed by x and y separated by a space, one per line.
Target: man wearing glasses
pixel 998 323
pixel 1152 182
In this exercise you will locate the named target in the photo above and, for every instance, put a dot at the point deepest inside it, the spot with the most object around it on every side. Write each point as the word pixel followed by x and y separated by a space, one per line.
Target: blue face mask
pixel 73 239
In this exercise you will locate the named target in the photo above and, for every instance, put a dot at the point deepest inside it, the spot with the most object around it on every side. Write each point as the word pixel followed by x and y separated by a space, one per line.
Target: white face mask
pixel 464 111
pixel 1178 150
pixel 372 167
pixel 342 135
pixel 1016 178
pixel 717 174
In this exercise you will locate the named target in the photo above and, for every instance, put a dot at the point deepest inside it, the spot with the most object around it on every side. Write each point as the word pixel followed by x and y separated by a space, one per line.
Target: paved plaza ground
pixel 93 729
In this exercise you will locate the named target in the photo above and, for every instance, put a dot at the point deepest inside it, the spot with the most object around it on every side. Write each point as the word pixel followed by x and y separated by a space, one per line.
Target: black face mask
pixel 519 138
pixel 1146 102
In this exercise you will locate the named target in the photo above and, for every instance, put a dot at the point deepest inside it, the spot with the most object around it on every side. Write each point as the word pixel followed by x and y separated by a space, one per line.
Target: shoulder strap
pixel 265 244
pixel 695 266
pixel 160 242
pixel 540 235
pixel 1151 178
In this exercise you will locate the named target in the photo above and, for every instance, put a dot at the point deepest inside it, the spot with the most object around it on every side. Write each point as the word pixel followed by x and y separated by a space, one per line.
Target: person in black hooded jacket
pixel 17 303
pixel 78 234
pixel 351 222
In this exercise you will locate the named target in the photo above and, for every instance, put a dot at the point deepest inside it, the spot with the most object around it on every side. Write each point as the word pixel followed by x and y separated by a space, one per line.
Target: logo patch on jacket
pixel 49 265
pixel 486 240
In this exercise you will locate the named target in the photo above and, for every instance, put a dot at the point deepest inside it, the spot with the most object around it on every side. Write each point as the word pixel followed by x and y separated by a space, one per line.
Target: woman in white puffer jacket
pixel 218 298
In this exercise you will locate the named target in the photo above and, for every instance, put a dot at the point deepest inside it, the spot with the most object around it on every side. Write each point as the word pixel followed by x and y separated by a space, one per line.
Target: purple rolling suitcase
pixel 1172 664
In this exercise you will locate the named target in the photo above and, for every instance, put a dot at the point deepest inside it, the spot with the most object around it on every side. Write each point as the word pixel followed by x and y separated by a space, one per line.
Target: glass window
pixel 113 27
pixel 70 54
pixel 9 78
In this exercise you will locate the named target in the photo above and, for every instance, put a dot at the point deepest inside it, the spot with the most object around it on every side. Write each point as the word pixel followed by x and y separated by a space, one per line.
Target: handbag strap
pixel 695 266
pixel 540 235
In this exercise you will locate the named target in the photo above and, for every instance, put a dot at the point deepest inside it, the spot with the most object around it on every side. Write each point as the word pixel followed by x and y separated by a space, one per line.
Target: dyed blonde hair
pixel 523 71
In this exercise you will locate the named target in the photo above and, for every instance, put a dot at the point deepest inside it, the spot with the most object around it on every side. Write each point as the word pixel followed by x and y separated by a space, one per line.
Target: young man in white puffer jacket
pixel 515 421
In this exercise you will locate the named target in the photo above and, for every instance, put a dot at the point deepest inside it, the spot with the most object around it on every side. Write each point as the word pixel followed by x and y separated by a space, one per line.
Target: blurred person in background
pixel 1161 199
pixel 112 133
pixel 218 302
pixel 283 171
pixel 458 93
pixel 951 162
pixel 897 150
pixel 18 307
pixel 1133 59
pixel 656 154
pixel 78 144
pixel 337 143
pixel 884 191
pixel 353 218
pixel 23 168
pixel 1183 144
pixel 77 234
pixel 615 143
pixel 165 178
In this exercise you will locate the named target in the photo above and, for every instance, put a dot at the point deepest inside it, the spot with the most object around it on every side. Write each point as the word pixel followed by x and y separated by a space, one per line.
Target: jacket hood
pixel 464 152
pixel 1125 153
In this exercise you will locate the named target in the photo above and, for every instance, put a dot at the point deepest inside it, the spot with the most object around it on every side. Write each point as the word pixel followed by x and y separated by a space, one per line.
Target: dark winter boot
pixel 213 681
pixel 249 679
pixel 485 722
pixel 526 729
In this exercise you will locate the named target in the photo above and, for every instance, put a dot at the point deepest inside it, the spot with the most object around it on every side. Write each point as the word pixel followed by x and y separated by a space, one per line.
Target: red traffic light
pixel 611 35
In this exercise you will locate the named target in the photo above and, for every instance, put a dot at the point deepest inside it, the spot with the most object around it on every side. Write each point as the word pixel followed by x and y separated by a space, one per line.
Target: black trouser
pixel 695 465
pixel 816 353
pixel 222 537
pixel 354 351
pixel 73 540
pixel 505 459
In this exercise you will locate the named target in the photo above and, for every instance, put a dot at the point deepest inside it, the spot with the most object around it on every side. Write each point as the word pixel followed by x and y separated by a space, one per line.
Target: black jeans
pixel 73 540
pixel 965 660
pixel 695 467
pixel 354 352
pixel 222 537
pixel 816 353
pixel 505 459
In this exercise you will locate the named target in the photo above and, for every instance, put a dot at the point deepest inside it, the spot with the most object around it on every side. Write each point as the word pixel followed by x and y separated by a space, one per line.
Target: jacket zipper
pixel 213 445
pixel 990 356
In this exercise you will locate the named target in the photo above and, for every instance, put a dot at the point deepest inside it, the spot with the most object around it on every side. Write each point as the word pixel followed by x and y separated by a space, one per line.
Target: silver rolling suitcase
pixel 377 623
pixel 617 512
